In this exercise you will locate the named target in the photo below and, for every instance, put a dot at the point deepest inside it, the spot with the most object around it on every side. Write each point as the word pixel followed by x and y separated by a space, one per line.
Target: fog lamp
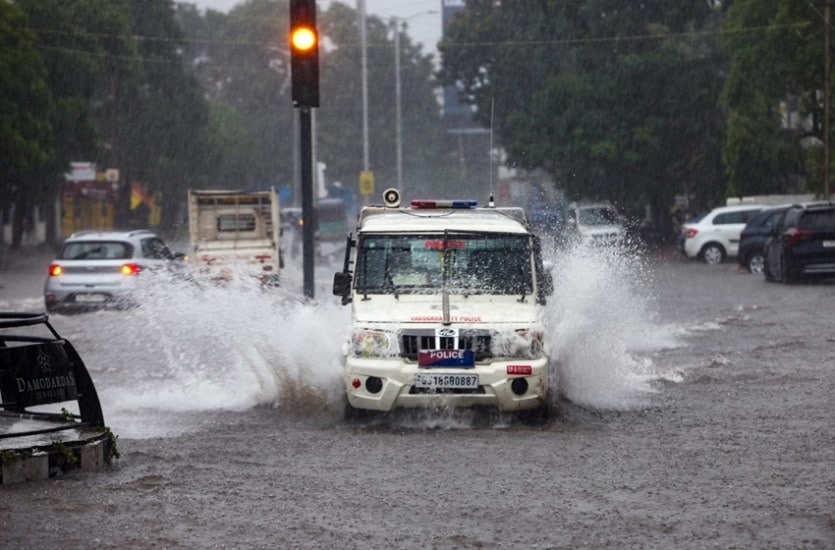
pixel 373 384
pixel 519 386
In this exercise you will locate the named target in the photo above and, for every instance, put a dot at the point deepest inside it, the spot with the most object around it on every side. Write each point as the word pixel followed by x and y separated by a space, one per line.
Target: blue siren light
pixel 443 204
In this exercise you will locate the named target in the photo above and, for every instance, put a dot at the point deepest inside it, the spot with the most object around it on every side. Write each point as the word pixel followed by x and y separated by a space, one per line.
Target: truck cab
pixel 446 302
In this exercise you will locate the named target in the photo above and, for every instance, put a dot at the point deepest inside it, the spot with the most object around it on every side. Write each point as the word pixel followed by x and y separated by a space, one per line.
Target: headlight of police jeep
pixel 373 343
pixel 519 344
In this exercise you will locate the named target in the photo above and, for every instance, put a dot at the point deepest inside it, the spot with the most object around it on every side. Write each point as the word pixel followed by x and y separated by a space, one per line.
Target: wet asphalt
pixel 734 448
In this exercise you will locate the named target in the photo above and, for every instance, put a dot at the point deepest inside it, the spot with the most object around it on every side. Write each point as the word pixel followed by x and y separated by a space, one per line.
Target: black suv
pixel 751 252
pixel 802 243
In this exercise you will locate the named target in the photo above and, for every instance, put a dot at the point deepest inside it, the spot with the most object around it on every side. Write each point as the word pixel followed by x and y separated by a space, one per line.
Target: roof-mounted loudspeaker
pixel 391 197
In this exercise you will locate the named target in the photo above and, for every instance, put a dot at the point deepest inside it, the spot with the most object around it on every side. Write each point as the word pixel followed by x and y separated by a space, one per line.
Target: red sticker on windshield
pixel 439 245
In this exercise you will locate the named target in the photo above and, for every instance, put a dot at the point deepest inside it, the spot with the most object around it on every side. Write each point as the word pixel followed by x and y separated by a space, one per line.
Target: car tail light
pixel 131 269
pixel 55 270
pixel 690 233
pixel 743 236
pixel 797 235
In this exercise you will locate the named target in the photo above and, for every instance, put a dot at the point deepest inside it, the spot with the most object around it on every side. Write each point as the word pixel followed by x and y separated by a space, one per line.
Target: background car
pixel 802 243
pixel 594 223
pixel 715 237
pixel 99 270
pixel 750 254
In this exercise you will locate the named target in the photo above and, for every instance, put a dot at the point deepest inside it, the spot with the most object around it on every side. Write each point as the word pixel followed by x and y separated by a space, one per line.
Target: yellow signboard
pixel 366 183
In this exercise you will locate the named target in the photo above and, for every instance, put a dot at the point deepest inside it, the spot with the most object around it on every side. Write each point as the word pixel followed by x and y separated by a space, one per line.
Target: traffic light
pixel 304 53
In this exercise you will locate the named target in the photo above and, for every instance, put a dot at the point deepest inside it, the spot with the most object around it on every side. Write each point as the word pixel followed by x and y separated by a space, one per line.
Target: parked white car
pixel 715 236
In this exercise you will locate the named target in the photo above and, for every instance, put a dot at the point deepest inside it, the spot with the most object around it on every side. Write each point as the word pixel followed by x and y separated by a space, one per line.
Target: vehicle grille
pixel 478 341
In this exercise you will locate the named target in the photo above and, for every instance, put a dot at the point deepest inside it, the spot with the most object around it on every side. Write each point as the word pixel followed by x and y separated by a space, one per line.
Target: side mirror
pixel 342 286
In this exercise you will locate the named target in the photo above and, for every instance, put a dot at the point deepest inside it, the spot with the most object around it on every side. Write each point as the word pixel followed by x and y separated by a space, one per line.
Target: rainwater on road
pixel 696 411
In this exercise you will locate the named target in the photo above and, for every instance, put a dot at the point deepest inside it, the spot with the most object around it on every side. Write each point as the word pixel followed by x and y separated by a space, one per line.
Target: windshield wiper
pixel 388 281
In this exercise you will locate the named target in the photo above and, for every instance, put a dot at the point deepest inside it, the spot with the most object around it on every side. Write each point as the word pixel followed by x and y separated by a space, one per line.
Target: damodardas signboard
pixel 36 375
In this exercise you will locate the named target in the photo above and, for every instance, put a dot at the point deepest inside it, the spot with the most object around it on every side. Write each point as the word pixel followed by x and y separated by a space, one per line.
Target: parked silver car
pixel 99 270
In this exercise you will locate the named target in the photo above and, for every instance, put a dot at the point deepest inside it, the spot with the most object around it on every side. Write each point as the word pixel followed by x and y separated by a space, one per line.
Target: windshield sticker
pixel 439 245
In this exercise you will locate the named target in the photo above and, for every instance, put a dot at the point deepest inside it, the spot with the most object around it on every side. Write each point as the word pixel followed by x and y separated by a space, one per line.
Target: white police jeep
pixel 446 304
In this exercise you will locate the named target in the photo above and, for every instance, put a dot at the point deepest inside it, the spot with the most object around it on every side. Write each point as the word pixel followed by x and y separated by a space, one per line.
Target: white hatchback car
pixel 715 237
pixel 99 270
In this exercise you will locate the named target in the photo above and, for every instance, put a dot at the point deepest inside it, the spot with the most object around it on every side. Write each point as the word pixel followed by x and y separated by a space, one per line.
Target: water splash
pixel 193 348
pixel 604 328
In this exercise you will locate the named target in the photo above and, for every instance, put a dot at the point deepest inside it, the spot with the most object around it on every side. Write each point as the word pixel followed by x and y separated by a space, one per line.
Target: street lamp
pixel 396 23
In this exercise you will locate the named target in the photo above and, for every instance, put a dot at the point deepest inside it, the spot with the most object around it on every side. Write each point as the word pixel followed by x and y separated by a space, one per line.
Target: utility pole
pixel 364 53
pixel 826 92
pixel 399 113
pixel 396 23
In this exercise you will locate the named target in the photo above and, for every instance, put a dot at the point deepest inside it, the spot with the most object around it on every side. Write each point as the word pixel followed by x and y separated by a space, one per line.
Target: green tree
pixel 613 99
pixel 426 166
pixel 245 65
pixel 74 38
pixel 164 118
pixel 26 115
pixel 242 61
pixel 776 72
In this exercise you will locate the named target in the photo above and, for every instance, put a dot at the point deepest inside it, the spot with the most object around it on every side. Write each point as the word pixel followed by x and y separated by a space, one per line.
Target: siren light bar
pixel 444 204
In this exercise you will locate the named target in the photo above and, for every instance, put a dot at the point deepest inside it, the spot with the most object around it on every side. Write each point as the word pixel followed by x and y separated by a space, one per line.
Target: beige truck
pixel 235 234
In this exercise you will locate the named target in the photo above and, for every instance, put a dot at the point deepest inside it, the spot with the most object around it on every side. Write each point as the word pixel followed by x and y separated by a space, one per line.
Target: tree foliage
pixel 164 118
pixel 613 99
pixel 122 96
pixel 242 60
pixel 27 116
pixel 26 102
pixel 772 93
pixel 635 102
pixel 340 117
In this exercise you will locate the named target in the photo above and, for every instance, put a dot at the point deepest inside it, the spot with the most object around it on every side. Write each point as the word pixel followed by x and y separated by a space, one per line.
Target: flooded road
pixel 697 411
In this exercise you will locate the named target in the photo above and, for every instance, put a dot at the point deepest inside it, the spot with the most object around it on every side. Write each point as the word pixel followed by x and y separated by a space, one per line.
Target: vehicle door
pixel 775 243
pixel 729 226
pixel 815 240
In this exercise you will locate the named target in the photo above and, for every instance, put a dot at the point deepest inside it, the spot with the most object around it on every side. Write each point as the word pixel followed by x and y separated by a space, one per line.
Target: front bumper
pixel 398 391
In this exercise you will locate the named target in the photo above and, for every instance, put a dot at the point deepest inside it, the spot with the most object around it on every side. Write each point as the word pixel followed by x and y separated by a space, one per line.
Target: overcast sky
pixel 423 27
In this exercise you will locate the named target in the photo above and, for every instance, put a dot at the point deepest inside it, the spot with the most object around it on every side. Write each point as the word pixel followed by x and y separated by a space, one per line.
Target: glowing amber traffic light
pixel 303 39
pixel 304 53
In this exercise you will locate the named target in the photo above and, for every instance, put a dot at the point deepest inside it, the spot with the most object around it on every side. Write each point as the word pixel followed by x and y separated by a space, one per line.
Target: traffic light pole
pixel 308 212
pixel 304 72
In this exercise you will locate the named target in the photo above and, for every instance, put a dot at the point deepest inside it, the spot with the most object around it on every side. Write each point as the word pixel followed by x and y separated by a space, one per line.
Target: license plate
pixel 446 381
pixel 95 298
pixel 828 244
